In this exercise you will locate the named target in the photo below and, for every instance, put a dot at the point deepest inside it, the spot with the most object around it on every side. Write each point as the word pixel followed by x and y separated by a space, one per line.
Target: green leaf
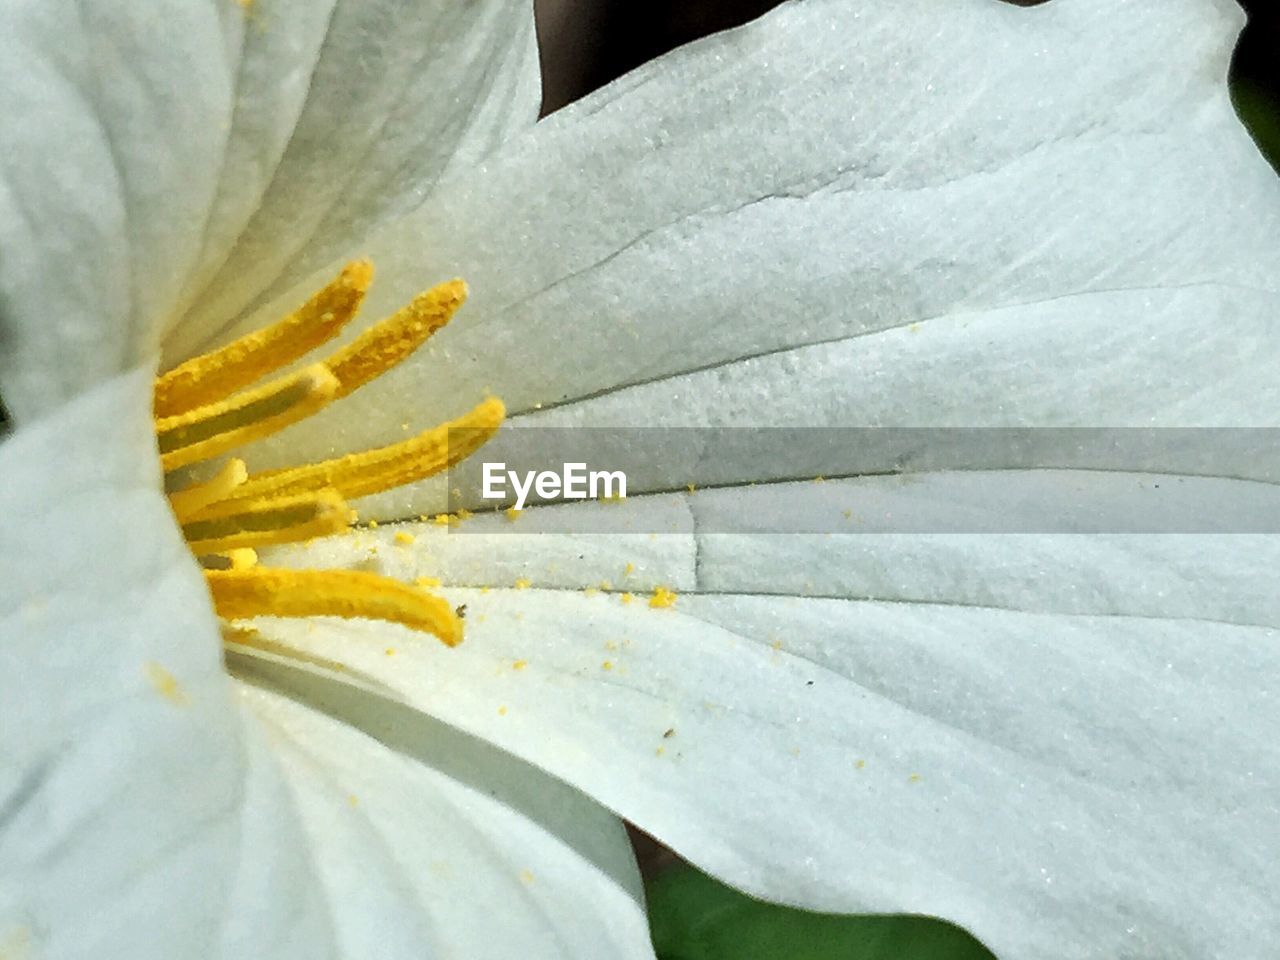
pixel 693 917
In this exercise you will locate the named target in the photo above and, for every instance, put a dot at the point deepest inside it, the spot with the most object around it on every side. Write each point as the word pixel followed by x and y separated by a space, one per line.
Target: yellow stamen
pixel 206 407
pixel 195 498
pixel 218 427
pixel 335 593
pixel 262 523
pixel 388 342
pixel 207 379
pixel 373 471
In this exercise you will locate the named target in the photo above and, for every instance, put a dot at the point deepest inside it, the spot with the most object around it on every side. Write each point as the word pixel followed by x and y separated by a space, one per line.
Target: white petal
pixel 142 141
pixel 113 118
pixel 864 211
pixel 138 815
pixel 397 95
pixel 1048 739
pixel 436 844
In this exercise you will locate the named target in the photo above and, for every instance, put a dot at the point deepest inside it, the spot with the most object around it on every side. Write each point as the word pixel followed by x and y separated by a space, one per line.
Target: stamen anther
pixel 216 428
pixel 265 592
pixel 239 524
pixel 195 498
pixel 389 341
pixel 362 474
pixel 208 378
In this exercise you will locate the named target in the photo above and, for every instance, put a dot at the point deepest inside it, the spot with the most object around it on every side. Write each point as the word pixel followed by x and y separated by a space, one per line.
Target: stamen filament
pixel 195 498
pixel 389 341
pixel 236 637
pixel 362 474
pixel 218 427
pixel 208 378
pixel 266 592
pixel 265 522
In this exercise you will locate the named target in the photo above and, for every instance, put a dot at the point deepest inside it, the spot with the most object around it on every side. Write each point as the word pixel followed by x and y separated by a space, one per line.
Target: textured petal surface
pixel 139 815
pixel 439 845
pixel 161 153
pixel 856 211
pixel 1048 739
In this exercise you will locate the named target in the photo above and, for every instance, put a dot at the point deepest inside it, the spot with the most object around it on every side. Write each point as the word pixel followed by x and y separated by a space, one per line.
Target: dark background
pixel 587 43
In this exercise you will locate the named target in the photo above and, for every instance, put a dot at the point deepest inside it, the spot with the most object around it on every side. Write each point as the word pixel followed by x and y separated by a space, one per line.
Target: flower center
pixel 210 405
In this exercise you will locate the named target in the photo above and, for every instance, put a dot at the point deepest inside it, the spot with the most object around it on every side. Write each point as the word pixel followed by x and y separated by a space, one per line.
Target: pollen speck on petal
pixel 166 684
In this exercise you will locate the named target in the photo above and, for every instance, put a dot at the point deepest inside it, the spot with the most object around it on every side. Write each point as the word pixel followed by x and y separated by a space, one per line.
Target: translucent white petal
pixel 145 142
pixel 139 815
pixel 1047 738
pixel 397 94
pixel 860 211
pixel 436 844
pixel 113 119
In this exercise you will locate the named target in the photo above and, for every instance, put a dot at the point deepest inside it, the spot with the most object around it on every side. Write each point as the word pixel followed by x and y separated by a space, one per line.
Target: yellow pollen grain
pixel 208 378
pixel 629 569
pixel 390 651
pixel 819 479
pixel 605 585
pixel 662 598
pixel 691 487
pixel 607 665
pixel 427 582
pixel 334 593
pixel 526 876
pixel 915 778
pixel 464 514
pixel 522 583
pixel 627 597
pixel 373 524
pixel 218 427
pixel 512 514
pixel 502 711
pixel 403 538
pixel 519 664
pixel 861 764
pixel 166 684
pixel 390 341
pixel 353 800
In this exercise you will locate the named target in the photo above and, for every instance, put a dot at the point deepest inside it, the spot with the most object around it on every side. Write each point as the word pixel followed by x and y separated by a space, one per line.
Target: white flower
pixel 853 212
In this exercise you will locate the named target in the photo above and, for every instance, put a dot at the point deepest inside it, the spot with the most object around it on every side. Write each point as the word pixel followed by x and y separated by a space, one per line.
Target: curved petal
pixel 863 211
pixel 139 815
pixel 397 95
pixel 113 119
pixel 144 144
pixel 1045 738
pixel 434 841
